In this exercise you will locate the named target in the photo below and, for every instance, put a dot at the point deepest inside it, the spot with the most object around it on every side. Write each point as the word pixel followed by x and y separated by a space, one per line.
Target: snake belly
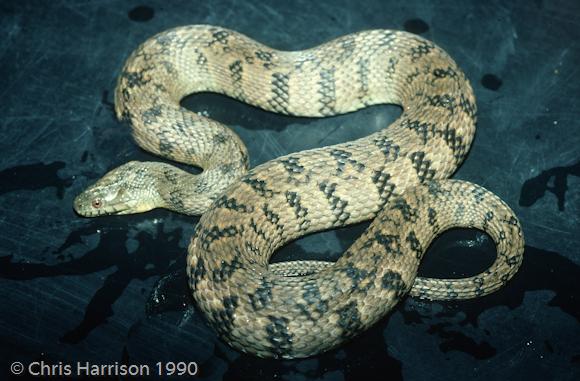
pixel 397 176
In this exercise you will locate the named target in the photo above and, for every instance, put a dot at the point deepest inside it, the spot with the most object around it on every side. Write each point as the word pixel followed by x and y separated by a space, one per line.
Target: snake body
pixel 397 176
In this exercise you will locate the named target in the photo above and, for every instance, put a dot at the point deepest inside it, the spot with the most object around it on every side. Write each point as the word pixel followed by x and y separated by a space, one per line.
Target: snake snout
pixel 82 207
pixel 90 205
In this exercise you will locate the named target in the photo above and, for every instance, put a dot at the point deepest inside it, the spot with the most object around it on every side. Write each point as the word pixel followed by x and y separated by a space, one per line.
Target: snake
pixel 398 178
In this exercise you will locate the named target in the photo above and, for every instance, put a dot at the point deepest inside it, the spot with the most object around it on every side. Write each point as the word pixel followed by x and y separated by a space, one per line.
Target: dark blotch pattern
pixel 337 204
pixel 272 217
pixel 362 280
pixel 342 158
pixel 266 58
pixel 408 213
pixel 259 186
pixel 421 49
pixel 226 315
pixel 236 71
pixel 423 129
pixel 422 166
pixel 349 320
pixel 279 336
pixel 226 270
pixel 300 212
pixel 232 204
pixel 415 244
pixel 208 236
pixel 198 273
pixel 262 297
pixel 363 78
pixel 392 280
pixel 385 188
pixel 327 91
pixel 314 302
pixel 280 90
pixel 390 243
pixel 388 148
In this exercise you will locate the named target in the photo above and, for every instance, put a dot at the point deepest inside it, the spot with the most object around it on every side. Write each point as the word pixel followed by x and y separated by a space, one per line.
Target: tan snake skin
pixel 298 309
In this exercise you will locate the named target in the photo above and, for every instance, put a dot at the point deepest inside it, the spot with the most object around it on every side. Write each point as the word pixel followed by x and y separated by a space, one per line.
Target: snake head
pixel 130 188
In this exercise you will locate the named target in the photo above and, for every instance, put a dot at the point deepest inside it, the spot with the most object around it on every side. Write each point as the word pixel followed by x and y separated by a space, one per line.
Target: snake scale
pixel 397 176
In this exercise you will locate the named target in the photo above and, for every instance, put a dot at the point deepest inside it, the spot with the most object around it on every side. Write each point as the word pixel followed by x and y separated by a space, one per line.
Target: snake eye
pixel 97 203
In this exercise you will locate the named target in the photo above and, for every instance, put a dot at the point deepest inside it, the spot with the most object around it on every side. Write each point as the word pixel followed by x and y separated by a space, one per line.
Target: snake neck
pixel 147 97
pixel 192 194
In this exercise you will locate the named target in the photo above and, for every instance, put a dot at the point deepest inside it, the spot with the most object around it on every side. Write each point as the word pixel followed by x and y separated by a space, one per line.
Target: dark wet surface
pixel 114 289
pixel 141 13
pixel 491 82
pixel 416 26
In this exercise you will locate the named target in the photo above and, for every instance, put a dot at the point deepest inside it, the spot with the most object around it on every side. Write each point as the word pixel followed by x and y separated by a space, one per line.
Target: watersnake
pixel 397 176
